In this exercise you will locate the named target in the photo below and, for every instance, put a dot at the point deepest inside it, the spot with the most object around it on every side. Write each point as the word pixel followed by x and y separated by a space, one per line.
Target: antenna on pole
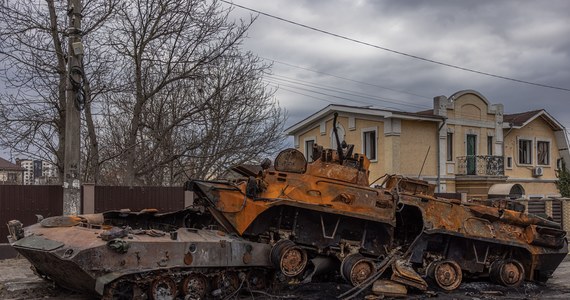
pixel 423 164
pixel 338 144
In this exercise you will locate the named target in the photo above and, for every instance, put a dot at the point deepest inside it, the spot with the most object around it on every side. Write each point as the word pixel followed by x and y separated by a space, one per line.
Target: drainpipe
pixel 438 181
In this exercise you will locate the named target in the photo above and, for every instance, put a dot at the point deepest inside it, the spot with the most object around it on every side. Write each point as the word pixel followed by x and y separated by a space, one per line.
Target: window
pixel 12 177
pixel 340 131
pixel 509 162
pixel 543 153
pixel 449 146
pixel 369 144
pixel 489 145
pixel 309 150
pixel 525 152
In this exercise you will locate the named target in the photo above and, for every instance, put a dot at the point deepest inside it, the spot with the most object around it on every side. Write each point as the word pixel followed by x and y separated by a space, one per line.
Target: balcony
pixel 481 165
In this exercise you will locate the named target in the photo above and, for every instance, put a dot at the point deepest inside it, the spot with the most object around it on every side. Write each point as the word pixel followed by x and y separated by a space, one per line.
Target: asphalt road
pixel 17 281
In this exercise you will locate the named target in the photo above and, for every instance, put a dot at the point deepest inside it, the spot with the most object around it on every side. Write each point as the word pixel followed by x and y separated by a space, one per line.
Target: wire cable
pixel 346 92
pixel 396 51
pixel 344 78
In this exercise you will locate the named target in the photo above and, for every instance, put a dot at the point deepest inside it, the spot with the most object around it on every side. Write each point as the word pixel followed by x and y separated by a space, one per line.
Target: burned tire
pixel 355 269
pixel 446 274
pixel 509 273
pixel 289 258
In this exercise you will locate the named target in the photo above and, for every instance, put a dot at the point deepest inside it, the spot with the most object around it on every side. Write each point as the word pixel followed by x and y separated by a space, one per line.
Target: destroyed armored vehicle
pixel 103 255
pixel 287 222
pixel 327 209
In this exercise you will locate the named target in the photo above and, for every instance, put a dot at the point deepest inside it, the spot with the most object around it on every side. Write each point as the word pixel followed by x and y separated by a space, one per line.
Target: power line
pixel 299 93
pixel 366 104
pixel 348 92
pixel 317 92
pixel 344 78
pixel 291 87
pixel 396 51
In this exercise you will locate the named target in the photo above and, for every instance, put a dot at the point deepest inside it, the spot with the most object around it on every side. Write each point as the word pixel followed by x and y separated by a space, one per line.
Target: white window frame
pixel 449 146
pixel 308 152
pixel 518 150
pixel 549 154
pixel 362 134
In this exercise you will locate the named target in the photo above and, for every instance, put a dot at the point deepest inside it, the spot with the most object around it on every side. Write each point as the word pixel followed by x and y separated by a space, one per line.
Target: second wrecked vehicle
pixel 327 210
pixel 288 223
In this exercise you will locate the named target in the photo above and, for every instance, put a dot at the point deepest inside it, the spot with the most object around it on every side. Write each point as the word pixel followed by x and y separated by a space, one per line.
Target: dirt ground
pixel 17 281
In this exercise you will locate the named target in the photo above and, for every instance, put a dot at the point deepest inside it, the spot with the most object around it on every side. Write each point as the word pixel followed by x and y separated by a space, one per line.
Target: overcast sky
pixel 524 40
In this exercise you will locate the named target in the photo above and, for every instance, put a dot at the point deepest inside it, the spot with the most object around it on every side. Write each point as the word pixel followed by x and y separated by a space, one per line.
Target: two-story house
pixel 464 144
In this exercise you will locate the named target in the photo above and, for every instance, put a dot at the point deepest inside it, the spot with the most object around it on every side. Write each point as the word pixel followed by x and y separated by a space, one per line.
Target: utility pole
pixel 74 103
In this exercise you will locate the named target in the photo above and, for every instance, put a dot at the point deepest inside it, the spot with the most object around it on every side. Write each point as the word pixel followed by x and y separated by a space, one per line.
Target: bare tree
pixel 33 68
pixel 168 92
pixel 171 51
pixel 242 123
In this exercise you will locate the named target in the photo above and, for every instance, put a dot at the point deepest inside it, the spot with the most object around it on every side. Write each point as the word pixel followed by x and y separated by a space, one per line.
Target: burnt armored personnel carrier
pixel 163 258
pixel 327 209
pixel 287 223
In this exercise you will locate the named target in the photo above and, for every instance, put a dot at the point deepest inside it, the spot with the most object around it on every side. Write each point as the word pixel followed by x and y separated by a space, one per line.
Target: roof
pixel 6 165
pixel 428 112
pixel 519 120
pixel 369 111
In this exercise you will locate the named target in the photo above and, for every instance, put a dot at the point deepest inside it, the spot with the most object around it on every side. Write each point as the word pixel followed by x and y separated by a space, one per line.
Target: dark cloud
pixel 525 40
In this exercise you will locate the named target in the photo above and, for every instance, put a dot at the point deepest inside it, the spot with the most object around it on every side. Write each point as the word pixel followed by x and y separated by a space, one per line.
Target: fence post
pixel 88 198
pixel 548 207
pixel 525 203
pixel 565 214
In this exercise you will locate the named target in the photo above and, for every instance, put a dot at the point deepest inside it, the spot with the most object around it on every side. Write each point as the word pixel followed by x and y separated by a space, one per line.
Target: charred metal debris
pixel 292 223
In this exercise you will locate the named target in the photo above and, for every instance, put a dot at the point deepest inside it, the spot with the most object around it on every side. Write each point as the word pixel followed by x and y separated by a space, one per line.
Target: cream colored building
pixel 465 144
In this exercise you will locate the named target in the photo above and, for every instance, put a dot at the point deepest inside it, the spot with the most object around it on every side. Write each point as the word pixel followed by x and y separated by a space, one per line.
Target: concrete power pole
pixel 74 103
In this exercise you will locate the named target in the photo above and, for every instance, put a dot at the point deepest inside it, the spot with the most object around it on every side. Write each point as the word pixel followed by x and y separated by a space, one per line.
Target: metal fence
pixel 24 202
pixel 481 165
pixel 138 198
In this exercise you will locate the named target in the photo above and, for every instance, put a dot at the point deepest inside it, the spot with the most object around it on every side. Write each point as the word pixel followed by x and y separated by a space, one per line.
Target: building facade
pixel 38 171
pixel 465 144
pixel 10 173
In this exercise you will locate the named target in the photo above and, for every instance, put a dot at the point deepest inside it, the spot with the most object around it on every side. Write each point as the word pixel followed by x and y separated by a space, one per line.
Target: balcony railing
pixel 481 165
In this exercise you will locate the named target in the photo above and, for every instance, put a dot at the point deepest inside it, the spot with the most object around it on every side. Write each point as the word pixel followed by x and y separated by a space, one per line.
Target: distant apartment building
pixel 38 171
pixel 10 173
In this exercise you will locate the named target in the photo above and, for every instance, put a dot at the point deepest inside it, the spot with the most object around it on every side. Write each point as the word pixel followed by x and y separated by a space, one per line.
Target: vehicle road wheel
pixel 195 286
pixel 447 274
pixel 163 288
pixel 355 269
pixel 509 273
pixel 289 258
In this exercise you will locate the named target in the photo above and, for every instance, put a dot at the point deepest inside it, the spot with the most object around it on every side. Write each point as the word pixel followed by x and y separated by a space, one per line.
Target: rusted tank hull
pixel 65 273
pixel 483 241
pixel 78 259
